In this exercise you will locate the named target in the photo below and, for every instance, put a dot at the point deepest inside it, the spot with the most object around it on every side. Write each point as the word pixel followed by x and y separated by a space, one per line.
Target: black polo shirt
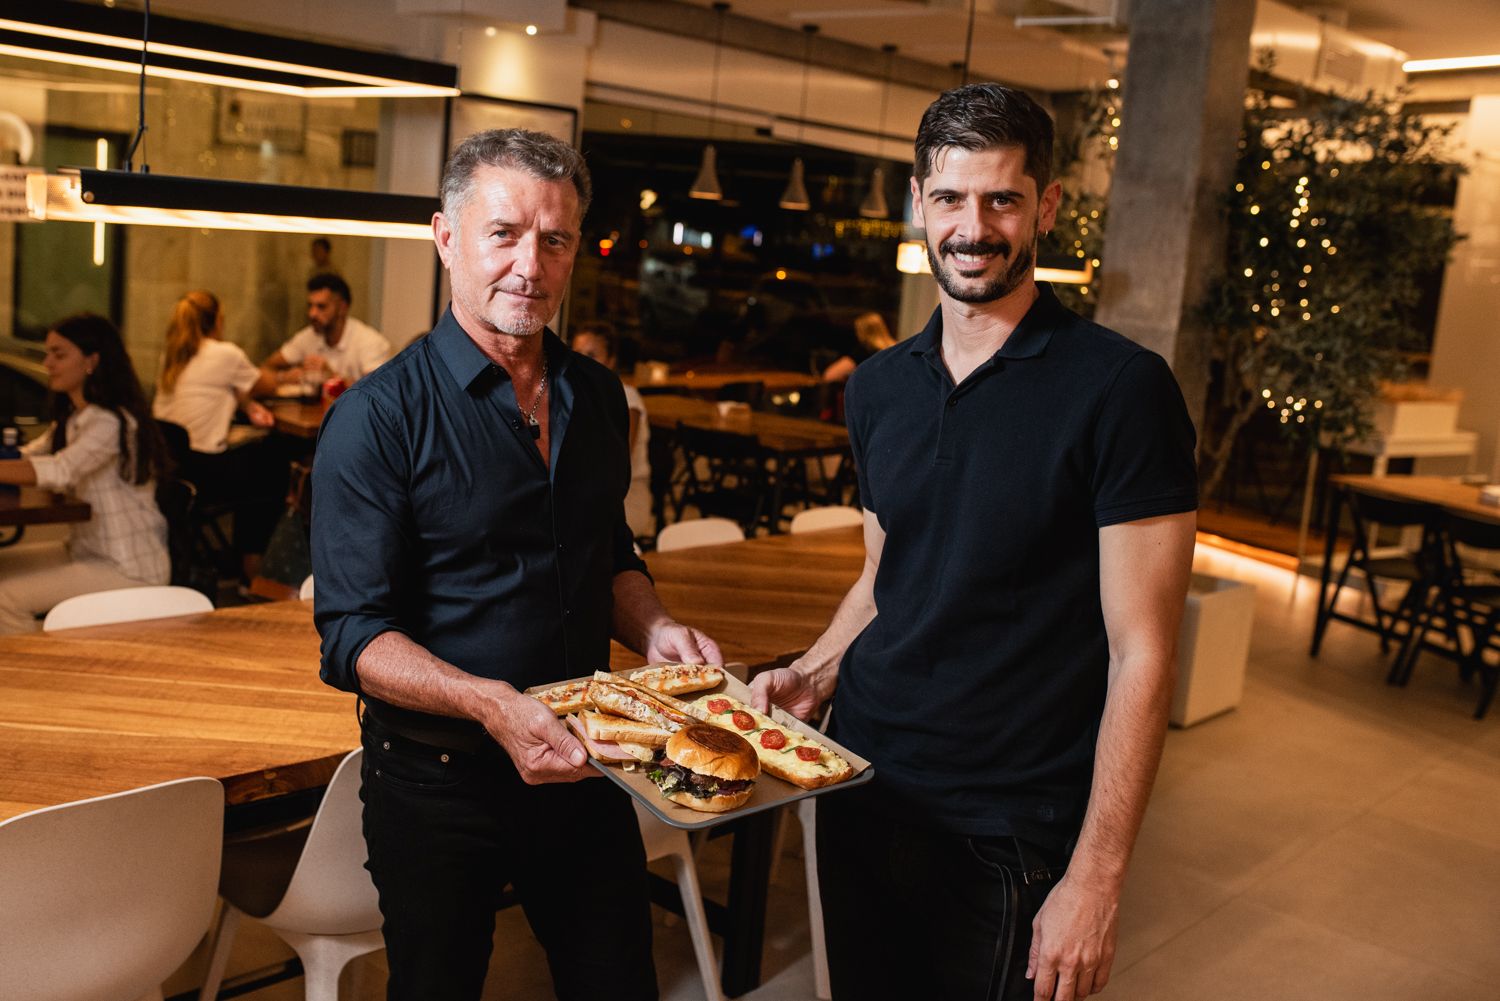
pixel 978 688
pixel 434 516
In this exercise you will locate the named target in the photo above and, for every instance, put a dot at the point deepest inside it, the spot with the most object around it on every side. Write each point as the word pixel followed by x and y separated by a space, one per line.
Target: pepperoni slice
pixel 773 740
pixel 743 720
pixel 718 705
pixel 807 753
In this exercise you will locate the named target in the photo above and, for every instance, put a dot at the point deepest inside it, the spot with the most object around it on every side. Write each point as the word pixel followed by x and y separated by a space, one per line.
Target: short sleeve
pixel 294 350
pixel 361 530
pixel 242 374
pixel 1144 442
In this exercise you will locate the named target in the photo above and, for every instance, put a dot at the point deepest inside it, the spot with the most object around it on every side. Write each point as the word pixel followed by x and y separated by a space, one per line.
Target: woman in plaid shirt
pixel 103 448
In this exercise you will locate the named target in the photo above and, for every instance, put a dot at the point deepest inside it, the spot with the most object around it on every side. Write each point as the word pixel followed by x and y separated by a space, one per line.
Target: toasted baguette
pixel 622 697
pixel 564 699
pixel 622 730
pixel 679 679
pixel 830 767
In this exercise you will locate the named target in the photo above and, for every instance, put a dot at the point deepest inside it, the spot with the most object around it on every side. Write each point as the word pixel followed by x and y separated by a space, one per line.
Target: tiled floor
pixel 1333 838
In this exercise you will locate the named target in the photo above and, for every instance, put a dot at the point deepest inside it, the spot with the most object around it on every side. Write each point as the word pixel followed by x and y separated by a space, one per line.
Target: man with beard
pixel 333 343
pixel 1006 658
pixel 469 541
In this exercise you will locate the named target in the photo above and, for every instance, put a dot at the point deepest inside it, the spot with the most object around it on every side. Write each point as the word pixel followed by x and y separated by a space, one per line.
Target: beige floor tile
pixel 1249 953
pixel 1401 887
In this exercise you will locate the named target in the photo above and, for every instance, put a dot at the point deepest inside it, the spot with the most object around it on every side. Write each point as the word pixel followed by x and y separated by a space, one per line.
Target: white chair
pixel 329 913
pixel 817 519
pixel 806 814
pixel 698 532
pixel 664 841
pixel 102 899
pixel 305 592
pixel 126 604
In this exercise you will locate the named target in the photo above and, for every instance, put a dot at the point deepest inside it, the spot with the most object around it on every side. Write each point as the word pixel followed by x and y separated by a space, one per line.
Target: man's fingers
pixel 710 649
pixel 1042 986
pixel 1084 985
pixel 760 693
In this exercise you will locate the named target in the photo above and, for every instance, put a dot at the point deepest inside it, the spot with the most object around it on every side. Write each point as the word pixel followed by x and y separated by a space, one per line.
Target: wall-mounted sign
pixel 246 118
pixel 13 193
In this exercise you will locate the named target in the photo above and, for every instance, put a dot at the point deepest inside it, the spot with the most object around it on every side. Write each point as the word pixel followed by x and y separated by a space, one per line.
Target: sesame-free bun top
pixel 712 750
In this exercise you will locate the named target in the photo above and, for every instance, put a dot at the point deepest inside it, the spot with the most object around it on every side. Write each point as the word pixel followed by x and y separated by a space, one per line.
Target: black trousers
pixel 914 913
pixel 251 479
pixel 448 830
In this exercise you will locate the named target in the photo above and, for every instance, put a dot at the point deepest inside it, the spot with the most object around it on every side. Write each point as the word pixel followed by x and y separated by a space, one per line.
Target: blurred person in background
pixel 600 342
pixel 204 379
pixel 103 448
pixel 332 344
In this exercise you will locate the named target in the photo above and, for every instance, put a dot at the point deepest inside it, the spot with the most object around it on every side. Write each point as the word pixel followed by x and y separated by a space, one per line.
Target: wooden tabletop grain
pixel 711 379
pixel 1450 495
pixel 235 694
pixel 297 417
pixel 776 432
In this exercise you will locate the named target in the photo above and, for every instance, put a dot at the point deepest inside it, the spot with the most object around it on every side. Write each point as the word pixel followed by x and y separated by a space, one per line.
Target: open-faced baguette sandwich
pixel 619 696
pixel 783 751
pixel 706 768
pixel 565 699
pixel 616 739
pixel 679 679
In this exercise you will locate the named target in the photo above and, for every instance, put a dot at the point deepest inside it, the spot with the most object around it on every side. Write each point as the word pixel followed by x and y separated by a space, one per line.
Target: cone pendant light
pixel 706 184
pixel 874 206
pixel 795 196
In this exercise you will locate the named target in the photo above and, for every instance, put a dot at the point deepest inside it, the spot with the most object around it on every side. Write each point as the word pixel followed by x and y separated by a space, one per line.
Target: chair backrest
pixel 305 592
pixel 816 519
pixel 178 442
pixel 100 900
pixel 331 892
pixel 126 604
pixel 698 532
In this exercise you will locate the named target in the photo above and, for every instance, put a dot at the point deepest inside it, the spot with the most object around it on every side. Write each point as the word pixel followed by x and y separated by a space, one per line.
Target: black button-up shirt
pixel 434 516
pixel 977 689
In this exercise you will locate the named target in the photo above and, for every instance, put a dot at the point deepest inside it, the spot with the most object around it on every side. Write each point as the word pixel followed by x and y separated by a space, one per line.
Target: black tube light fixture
pixel 120 197
pixel 81 34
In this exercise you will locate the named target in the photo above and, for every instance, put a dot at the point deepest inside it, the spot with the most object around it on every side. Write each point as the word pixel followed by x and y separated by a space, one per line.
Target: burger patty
pixel 673 778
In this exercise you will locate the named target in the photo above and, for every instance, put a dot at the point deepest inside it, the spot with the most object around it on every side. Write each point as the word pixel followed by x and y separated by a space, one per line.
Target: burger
pixel 706 768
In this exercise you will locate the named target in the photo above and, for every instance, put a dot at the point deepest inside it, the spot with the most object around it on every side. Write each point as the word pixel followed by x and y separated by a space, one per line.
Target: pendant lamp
pixel 706 184
pixel 795 197
pixel 874 206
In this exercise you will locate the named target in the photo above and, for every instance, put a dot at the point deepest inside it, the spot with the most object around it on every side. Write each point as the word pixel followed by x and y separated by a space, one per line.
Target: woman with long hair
pixel 204 378
pixel 104 448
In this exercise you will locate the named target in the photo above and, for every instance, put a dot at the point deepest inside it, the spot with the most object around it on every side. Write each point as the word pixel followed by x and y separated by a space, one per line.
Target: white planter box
pixel 1415 418
pixel 1212 648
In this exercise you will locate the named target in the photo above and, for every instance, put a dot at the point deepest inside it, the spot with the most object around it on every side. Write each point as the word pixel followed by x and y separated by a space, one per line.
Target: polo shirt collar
pixel 1028 340
pixel 466 363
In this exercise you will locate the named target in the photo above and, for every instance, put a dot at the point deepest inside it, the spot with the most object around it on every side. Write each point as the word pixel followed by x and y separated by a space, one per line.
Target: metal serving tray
pixel 770 792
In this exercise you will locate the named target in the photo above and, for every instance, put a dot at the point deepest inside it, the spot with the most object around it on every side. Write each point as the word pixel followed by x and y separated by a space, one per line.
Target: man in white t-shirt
pixel 332 343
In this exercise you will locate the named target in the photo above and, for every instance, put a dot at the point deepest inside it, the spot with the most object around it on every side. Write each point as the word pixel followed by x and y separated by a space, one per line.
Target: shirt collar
pixel 466 363
pixel 1028 340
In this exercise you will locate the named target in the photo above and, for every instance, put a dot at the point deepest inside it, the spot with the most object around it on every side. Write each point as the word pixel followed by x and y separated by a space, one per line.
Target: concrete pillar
pixel 1183 104
pixel 1465 348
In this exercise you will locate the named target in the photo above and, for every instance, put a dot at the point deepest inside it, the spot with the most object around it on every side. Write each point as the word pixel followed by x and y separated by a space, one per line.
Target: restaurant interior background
pixel 645 87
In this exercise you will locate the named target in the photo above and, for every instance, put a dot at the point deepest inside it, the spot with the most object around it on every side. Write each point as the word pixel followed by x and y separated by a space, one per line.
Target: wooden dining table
pixel 711 379
pixel 778 433
pixel 234 694
pixel 298 418
pixel 31 506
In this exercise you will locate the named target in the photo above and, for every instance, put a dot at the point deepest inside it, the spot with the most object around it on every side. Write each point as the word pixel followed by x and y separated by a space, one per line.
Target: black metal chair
pixel 725 476
pixel 1468 600
pixel 210 539
pixel 1419 568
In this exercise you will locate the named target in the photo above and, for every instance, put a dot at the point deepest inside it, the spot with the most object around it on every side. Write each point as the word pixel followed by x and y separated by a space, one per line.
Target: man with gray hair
pixel 469 541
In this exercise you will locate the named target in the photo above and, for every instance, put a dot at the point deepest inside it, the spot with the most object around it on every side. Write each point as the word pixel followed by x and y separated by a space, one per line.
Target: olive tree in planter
pixel 1334 224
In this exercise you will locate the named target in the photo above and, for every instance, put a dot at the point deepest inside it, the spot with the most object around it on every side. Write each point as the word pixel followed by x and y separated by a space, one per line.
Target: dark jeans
pixel 448 830
pixel 251 480
pixel 913 913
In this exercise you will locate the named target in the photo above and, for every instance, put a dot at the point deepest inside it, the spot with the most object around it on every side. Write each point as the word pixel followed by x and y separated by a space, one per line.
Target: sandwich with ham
pixel 706 768
pixel 613 739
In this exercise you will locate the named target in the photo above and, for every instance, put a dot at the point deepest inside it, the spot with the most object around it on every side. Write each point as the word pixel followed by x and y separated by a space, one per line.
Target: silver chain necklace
pixel 531 422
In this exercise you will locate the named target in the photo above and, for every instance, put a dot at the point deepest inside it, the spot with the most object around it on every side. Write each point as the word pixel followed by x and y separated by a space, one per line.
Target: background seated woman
pixel 103 447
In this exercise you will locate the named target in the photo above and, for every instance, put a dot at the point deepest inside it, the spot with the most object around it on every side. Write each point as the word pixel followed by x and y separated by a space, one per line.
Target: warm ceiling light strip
pixel 134 45
pixel 1456 63
pixel 198 204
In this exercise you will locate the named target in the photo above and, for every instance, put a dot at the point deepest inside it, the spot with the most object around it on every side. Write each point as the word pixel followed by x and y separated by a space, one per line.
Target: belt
pixel 443 732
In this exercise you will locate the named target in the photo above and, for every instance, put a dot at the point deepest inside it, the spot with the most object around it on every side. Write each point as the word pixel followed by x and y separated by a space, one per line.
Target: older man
pixel 469 541
pixel 1006 658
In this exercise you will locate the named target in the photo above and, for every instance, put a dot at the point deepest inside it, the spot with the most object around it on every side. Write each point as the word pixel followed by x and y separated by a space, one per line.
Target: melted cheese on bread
pixel 784 763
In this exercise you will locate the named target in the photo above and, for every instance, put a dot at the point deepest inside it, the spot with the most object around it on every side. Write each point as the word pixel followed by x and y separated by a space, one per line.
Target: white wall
pixel 1466 347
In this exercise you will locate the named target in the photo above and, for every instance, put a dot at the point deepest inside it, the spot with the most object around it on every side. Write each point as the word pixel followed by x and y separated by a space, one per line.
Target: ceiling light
pixel 794 198
pixel 1457 63
pixel 531 29
pixel 107 38
pixel 114 196
pixel 874 206
pixel 706 184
